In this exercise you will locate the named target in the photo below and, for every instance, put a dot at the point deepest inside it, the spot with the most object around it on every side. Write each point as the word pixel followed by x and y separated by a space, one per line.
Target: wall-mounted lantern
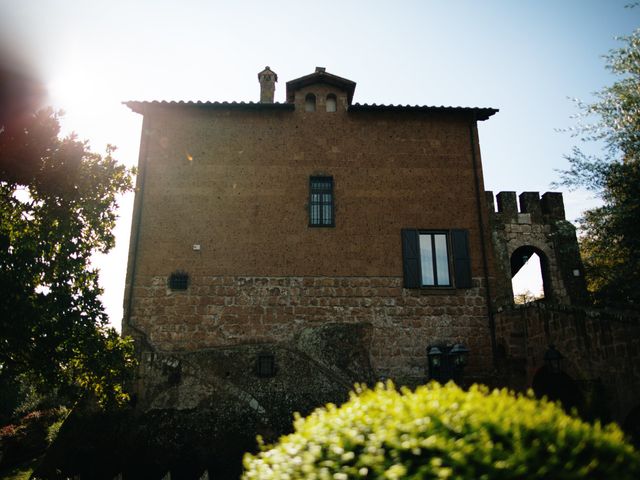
pixel 447 362
pixel 553 359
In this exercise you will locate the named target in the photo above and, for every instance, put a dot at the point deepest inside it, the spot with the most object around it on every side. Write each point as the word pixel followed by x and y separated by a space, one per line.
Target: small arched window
pixel 331 103
pixel 310 103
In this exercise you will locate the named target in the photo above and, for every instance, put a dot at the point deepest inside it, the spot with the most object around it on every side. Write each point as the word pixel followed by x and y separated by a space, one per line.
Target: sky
pixel 528 58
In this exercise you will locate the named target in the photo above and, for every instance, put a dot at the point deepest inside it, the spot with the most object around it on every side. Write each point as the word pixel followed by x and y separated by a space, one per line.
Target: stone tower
pixel 539 227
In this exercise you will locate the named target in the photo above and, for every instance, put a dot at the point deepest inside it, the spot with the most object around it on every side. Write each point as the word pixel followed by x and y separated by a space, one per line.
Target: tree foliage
pixel 57 208
pixel 610 241
pixel 445 432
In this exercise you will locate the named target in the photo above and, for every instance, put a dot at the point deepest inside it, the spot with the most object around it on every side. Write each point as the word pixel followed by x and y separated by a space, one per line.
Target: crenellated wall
pixel 600 350
pixel 538 226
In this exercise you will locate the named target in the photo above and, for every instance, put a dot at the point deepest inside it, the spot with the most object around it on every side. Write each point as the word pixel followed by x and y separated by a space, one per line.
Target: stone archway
pixel 528 253
pixel 558 387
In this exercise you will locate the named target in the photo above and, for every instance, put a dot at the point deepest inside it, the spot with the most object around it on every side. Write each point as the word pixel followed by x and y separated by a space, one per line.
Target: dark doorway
pixel 558 387
pixel 631 426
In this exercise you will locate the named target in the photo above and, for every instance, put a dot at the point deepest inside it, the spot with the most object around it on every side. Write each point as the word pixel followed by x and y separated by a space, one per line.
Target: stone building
pixel 281 252
pixel 272 218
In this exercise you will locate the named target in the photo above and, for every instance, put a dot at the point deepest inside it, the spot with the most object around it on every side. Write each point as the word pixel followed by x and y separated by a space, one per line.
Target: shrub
pixel 445 432
pixel 29 437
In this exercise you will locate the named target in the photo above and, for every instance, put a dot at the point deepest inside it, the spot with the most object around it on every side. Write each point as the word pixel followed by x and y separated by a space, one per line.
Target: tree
pixel 527 296
pixel 57 208
pixel 610 240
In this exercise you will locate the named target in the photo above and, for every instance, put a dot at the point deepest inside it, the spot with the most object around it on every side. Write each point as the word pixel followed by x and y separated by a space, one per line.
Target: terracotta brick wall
pixel 236 183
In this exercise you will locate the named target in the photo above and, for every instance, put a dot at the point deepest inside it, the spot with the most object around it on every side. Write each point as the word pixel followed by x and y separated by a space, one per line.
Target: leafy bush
pixel 445 432
pixel 28 438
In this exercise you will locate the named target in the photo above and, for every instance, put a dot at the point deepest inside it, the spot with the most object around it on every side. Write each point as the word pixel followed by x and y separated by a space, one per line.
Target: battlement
pixel 538 227
pixel 545 209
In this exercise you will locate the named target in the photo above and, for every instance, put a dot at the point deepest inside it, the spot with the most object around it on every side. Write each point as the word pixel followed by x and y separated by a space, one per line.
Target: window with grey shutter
pixel 461 259
pixel 427 256
pixel 410 258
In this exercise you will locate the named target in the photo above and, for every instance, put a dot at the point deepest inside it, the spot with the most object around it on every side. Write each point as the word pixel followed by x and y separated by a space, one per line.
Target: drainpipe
pixel 481 207
pixel 134 240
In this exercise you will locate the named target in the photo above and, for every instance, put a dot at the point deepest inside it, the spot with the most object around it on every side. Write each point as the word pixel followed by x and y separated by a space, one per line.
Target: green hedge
pixel 445 432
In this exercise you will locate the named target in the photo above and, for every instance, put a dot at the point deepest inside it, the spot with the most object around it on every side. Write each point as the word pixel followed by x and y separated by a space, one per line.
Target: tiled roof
pixel 138 107
pixel 480 113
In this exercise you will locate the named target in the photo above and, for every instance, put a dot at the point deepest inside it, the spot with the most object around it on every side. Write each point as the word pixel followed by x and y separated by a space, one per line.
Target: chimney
pixel 267 79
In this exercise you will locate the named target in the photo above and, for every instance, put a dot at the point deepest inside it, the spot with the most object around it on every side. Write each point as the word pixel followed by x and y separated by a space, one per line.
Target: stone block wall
pixel 599 348
pixel 219 311
pixel 196 413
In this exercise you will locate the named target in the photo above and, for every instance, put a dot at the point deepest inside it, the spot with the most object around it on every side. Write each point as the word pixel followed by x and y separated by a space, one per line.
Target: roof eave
pixel 141 106
pixel 479 113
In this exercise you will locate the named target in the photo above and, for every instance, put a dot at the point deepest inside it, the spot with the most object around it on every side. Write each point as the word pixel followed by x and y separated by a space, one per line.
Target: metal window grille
pixel 321 202
pixel 179 281
pixel 266 365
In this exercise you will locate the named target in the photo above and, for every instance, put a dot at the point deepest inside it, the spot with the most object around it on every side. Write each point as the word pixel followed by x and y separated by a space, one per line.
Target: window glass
pixel 426 259
pixel 310 103
pixel 434 259
pixel 315 213
pixel 442 258
pixel 331 103
pixel 178 281
pixel 321 202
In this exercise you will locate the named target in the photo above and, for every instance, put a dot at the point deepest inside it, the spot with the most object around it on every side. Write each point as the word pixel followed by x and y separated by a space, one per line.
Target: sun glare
pixel 90 103
pixel 71 93
pixel 83 93
pixel 92 108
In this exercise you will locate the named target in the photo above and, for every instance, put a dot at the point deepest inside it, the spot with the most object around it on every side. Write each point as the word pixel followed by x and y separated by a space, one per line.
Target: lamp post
pixel 447 362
